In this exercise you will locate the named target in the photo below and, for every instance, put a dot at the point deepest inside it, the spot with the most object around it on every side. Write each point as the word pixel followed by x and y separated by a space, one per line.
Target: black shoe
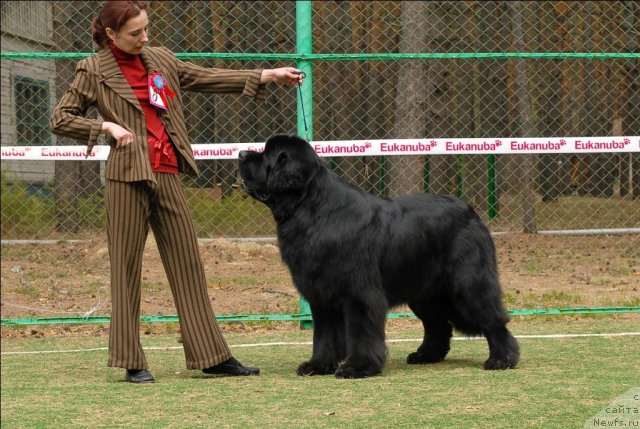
pixel 231 367
pixel 139 376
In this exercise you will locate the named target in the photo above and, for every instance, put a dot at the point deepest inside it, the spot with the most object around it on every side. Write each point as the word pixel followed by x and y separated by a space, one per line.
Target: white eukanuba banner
pixel 470 146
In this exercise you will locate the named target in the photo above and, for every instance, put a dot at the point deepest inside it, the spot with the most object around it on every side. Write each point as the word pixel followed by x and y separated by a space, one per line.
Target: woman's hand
pixel 289 76
pixel 122 136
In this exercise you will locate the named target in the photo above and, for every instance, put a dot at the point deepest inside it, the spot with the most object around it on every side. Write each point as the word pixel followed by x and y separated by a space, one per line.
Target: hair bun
pixel 99 34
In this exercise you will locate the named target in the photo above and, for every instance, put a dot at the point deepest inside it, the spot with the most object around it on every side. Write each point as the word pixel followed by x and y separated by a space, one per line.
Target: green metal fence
pixel 375 70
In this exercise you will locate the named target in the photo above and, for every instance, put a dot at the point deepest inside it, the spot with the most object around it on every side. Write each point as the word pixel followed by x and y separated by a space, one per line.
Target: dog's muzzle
pixel 258 195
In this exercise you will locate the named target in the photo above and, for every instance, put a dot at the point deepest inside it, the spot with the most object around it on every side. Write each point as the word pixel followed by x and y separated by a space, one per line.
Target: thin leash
pixel 304 116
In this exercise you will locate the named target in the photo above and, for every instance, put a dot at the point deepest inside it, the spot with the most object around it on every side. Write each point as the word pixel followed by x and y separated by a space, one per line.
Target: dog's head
pixel 285 167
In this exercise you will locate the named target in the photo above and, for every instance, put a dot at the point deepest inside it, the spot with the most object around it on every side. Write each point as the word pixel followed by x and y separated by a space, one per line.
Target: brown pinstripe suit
pixel 136 197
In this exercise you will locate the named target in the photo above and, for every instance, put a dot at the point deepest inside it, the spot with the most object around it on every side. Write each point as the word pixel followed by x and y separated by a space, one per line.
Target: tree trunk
pixel 328 76
pixel 348 82
pixel 631 109
pixel 405 172
pixel 384 38
pixel 226 20
pixel 598 115
pixel 548 108
pixel 521 14
pixel 449 83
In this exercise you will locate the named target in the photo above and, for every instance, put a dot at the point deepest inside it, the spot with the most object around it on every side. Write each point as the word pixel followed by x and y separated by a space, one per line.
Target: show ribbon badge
pixel 158 91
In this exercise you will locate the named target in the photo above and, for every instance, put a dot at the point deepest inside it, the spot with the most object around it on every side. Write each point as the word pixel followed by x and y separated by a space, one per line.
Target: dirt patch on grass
pixel 72 279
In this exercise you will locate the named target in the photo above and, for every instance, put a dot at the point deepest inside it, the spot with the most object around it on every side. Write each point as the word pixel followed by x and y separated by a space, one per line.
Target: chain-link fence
pixel 368 83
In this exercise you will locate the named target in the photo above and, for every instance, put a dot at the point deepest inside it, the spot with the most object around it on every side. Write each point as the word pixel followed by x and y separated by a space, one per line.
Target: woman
pixel 137 90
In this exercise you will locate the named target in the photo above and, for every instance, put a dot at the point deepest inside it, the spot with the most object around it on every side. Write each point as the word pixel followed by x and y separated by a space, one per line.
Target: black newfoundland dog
pixel 353 256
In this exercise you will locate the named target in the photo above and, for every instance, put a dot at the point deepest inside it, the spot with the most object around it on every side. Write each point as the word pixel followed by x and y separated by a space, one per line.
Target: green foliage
pixel 23 212
pixel 234 216
pixel 29 212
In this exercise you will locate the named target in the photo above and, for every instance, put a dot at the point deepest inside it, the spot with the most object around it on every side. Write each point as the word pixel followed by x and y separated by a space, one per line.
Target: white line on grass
pixel 306 343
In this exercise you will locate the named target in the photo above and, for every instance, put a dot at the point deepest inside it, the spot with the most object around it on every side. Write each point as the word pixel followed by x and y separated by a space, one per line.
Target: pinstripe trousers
pixel 133 207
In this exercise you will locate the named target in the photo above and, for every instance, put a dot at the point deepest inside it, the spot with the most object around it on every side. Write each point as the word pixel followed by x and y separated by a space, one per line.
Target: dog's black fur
pixel 353 256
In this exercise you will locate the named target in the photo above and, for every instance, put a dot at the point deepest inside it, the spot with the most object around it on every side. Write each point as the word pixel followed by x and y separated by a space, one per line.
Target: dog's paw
pixel 494 363
pixel 416 358
pixel 311 368
pixel 349 371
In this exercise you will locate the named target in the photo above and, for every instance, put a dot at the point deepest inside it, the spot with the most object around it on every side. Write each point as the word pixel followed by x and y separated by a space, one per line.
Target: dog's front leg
pixel 328 341
pixel 365 319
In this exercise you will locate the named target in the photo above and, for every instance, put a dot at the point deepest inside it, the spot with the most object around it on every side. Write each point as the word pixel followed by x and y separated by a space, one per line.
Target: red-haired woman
pixel 137 90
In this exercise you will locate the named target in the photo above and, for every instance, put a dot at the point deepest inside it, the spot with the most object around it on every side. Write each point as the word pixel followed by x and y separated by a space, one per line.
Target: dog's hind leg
pixel 437 334
pixel 476 297
pixel 483 313
pixel 504 351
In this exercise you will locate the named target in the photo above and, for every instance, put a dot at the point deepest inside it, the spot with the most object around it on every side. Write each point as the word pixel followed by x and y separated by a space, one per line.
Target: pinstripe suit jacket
pixel 99 82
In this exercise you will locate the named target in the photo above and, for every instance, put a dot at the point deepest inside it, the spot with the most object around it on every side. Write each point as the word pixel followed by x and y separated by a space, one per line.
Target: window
pixel 32 112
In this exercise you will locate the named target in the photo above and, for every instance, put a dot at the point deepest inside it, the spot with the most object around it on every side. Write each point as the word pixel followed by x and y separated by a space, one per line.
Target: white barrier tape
pixel 497 146
pixel 308 343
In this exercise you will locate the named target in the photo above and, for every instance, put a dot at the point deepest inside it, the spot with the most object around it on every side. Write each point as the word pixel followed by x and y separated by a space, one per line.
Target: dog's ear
pixel 291 170
pixel 285 175
pixel 283 157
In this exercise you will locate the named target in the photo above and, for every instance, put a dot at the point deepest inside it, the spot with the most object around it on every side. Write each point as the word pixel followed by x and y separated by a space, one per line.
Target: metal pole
pixel 304 46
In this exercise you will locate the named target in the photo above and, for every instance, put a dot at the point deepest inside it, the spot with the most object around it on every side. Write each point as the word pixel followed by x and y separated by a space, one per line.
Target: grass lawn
pixel 560 383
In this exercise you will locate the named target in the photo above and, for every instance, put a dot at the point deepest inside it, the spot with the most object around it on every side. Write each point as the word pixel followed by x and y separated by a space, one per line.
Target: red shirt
pixel 161 151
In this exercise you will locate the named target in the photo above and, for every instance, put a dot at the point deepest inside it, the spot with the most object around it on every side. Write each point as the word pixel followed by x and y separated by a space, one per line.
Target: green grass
pixel 553 298
pixel 567 299
pixel 560 384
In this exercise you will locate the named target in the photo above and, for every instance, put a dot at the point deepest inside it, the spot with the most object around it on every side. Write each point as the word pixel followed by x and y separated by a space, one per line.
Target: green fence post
pixel 304 46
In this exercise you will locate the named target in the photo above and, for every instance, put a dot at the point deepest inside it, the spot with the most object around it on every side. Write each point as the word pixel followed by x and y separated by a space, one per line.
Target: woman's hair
pixel 114 15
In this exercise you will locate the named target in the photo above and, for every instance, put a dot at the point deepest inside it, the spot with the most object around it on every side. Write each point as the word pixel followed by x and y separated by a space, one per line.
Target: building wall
pixel 26 27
